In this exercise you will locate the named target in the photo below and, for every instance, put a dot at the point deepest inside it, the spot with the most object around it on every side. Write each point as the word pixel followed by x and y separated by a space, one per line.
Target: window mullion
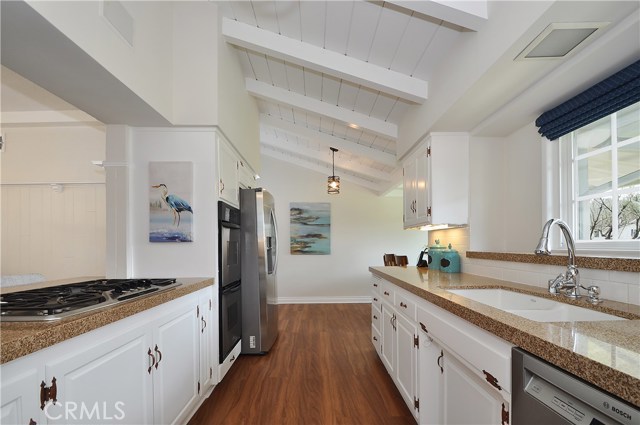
pixel 614 176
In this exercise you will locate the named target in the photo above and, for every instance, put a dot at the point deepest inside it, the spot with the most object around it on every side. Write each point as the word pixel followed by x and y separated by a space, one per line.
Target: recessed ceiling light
pixel 354 126
pixel 560 39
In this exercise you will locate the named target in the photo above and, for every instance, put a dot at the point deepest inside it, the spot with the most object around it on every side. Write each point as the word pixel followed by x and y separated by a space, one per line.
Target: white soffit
pixel 282 96
pixel 326 61
pixel 558 40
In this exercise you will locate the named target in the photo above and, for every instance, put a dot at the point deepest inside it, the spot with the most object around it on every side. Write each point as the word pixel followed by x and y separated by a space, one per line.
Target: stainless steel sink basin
pixel 531 307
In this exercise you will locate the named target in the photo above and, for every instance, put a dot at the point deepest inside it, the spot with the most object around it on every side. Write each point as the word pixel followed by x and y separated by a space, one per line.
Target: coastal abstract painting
pixel 170 201
pixel 310 228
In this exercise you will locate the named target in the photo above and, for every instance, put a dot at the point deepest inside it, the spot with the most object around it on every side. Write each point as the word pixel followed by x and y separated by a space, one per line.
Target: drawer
pixel 405 305
pixel 388 292
pixel 376 340
pixel 376 300
pixel 376 284
pixel 375 317
pixel 482 350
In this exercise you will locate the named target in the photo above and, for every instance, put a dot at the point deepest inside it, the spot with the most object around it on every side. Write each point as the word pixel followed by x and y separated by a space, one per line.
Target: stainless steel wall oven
pixel 230 311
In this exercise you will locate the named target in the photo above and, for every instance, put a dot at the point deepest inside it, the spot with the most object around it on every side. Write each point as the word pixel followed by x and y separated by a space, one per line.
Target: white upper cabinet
pixel 233 172
pixel 436 181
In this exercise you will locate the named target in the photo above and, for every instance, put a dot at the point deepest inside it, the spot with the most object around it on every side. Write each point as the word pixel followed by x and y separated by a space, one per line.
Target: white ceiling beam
pixel 348 166
pixel 329 140
pixel 266 150
pixel 326 61
pixel 471 14
pixel 282 96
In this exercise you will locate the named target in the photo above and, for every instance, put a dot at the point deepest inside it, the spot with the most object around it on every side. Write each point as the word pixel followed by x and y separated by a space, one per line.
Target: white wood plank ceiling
pixel 341 74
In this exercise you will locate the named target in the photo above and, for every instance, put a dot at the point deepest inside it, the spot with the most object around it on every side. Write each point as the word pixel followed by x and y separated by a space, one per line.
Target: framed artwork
pixel 310 228
pixel 170 201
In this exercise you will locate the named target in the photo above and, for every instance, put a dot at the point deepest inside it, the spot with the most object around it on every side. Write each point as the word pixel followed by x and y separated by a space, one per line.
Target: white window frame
pixel 558 199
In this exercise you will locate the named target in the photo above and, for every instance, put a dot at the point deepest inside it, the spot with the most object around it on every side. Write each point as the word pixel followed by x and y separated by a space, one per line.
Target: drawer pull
pixel 375 285
pixel 375 338
pixel 153 360
pixel 424 328
pixel 386 293
pixel 375 299
pixel 403 304
pixel 438 361
pixel 375 317
pixel 159 353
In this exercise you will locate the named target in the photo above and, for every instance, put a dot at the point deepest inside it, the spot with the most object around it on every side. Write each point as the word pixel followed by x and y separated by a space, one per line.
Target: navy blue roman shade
pixel 608 96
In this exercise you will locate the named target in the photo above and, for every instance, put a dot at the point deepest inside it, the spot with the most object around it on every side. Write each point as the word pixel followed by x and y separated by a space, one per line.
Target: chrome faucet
pixel 570 280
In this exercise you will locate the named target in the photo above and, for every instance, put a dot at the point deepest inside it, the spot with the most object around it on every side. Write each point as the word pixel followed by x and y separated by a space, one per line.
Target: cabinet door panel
pixel 388 338
pixel 177 374
pixel 228 173
pixel 20 392
pixel 106 382
pixel 409 192
pixel 207 353
pixel 406 364
pixel 422 188
pixel 430 381
pixel 482 405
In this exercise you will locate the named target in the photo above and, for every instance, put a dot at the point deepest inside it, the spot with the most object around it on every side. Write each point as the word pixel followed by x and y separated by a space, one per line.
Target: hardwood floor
pixel 322 369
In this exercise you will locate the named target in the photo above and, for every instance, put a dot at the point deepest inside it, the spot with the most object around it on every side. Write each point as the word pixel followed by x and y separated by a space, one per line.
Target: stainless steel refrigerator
pixel 259 262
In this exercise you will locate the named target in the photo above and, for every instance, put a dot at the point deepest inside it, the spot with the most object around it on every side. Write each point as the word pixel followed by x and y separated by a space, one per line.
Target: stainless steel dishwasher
pixel 544 394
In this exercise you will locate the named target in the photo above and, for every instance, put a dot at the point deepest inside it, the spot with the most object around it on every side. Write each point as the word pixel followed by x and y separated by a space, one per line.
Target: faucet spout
pixel 570 279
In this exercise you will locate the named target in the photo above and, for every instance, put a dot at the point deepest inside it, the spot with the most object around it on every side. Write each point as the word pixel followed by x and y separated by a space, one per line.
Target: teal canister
pixel 450 261
pixel 435 255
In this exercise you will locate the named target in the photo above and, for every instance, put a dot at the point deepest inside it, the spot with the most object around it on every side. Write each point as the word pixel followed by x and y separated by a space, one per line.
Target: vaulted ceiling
pixel 339 74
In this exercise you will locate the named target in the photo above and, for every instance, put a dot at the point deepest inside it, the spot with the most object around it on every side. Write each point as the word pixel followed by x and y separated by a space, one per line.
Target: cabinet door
pixel 109 381
pixel 482 404
pixel 406 361
pixel 422 188
pixel 20 401
pixel 430 380
pixel 388 335
pixel 207 353
pixel 409 192
pixel 227 173
pixel 176 377
pixel 246 180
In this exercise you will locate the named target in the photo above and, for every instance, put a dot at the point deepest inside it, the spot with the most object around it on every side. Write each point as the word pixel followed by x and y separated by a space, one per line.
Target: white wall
pixel 146 67
pixel 189 259
pixel 363 228
pixel 57 234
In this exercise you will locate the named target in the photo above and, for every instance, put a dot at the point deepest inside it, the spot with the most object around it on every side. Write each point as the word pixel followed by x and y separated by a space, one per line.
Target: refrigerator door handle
pixel 275 228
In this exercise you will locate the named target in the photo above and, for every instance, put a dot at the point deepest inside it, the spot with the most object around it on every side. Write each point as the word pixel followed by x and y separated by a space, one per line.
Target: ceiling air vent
pixel 560 39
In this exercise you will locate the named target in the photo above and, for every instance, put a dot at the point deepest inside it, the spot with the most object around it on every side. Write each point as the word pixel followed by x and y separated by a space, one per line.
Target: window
pixel 600 174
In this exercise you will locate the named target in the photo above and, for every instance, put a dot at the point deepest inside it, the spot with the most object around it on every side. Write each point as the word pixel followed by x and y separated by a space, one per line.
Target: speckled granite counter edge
pixel 35 336
pixel 616 382
pixel 601 263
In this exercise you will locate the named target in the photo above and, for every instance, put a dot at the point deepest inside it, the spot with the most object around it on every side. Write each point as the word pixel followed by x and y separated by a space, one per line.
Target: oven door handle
pixel 229 289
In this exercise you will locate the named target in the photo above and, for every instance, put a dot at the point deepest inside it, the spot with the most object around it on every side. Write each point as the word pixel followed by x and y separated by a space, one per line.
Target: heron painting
pixel 170 206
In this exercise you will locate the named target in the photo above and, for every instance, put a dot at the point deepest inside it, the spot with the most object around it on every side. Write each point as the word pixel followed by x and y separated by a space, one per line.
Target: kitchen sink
pixel 531 307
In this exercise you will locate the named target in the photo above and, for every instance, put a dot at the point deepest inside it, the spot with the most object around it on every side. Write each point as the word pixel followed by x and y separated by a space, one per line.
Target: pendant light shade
pixel 333 182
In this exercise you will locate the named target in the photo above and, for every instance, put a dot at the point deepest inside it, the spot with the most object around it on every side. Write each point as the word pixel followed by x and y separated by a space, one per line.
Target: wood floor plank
pixel 322 370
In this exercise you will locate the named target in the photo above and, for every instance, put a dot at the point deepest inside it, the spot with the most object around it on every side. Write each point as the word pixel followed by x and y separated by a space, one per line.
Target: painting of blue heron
pixel 170 201
pixel 310 228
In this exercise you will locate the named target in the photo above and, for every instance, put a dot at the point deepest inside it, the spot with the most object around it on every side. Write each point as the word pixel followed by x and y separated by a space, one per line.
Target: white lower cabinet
pixel 482 405
pixel 447 370
pixel 141 370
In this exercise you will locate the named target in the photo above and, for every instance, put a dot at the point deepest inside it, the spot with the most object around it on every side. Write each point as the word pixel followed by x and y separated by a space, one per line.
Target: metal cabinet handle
pixel 204 324
pixel 159 355
pixel 32 422
pixel 375 317
pixel 153 360
pixel 221 186
pixel 440 358
pixel 375 338
pixel 232 359
pixel 403 304
pixel 386 293
pixel 375 299
pixel 375 285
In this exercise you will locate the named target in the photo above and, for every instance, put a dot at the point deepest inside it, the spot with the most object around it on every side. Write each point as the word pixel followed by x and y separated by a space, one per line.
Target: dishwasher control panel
pixel 562 403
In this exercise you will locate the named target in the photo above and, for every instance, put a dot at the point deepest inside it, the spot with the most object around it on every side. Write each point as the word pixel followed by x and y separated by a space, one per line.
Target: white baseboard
pixel 324 300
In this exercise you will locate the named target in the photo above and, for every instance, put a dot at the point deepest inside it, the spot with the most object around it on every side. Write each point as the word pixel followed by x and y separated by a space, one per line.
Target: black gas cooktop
pixel 57 302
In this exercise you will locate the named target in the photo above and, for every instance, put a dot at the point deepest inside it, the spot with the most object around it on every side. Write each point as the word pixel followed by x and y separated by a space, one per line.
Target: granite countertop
pixel 604 353
pixel 18 339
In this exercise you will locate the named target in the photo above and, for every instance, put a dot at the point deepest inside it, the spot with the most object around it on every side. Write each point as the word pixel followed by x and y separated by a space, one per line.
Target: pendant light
pixel 333 182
